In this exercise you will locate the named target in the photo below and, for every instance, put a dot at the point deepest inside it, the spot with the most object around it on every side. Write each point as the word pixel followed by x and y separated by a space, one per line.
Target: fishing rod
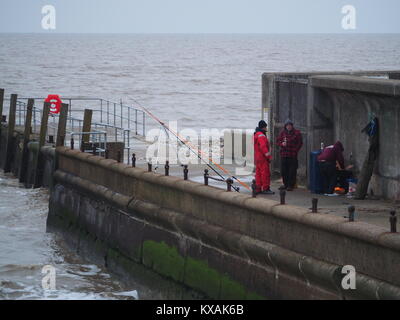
pixel 194 149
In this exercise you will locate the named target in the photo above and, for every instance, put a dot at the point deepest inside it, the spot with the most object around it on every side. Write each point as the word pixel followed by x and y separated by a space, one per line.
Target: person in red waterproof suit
pixel 262 158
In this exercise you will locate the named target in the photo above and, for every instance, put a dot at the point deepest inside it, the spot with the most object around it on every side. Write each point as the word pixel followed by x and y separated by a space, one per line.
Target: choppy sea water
pixel 26 248
pixel 201 81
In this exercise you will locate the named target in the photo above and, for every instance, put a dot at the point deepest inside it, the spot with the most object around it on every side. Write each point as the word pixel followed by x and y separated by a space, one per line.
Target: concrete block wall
pixel 287 252
pixel 329 106
pixel 349 101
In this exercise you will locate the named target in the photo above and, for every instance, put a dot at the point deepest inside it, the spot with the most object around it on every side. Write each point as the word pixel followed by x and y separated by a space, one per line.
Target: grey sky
pixel 200 16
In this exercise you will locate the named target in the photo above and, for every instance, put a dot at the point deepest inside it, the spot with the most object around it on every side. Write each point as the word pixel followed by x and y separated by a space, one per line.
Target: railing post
pixel 282 194
pixel 133 160
pixel 87 125
pixel 72 143
pixel 149 167
pixel 62 123
pixel 315 205
pixel 167 168
pixel 254 188
pixel 185 172
pixel 10 149
pixel 229 183
pixel 37 181
pixel 1 102
pixel 27 133
pixel 351 210
pixel 206 175
pixel 393 222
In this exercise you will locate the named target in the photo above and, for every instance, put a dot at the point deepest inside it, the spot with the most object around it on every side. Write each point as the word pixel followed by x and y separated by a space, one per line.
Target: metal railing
pixel 120 122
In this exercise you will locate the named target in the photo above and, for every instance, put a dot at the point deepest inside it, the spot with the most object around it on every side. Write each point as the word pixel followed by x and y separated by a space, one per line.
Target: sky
pixel 200 16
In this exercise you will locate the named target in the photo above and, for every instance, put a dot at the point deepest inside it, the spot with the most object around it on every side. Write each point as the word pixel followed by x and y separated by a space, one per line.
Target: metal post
pixel 254 188
pixel 62 124
pixel 38 174
pixel 133 160
pixel 282 194
pixel 94 149
pixel 72 143
pixel 101 110
pixel 393 222
pixel 108 112
pixel 167 168
pixel 314 205
pixel 185 172
pixel 229 183
pixel 206 177
pixel 149 167
pixel 122 123
pixel 136 121
pixel 87 125
pixel 1 102
pixel 144 126
pixel 115 114
pixel 351 210
pixel 27 133
pixel 10 133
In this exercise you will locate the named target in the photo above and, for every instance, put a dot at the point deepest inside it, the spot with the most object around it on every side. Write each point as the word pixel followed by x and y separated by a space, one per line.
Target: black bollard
pixel 206 177
pixel 119 156
pixel 229 183
pixel 167 168
pixel 352 210
pixel 106 154
pixel 149 167
pixel 72 143
pixel 185 172
pixel 94 149
pixel 133 160
pixel 254 189
pixel 282 193
pixel 314 205
pixel 393 222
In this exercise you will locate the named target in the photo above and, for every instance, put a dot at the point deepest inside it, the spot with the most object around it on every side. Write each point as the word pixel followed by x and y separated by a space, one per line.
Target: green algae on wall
pixel 194 273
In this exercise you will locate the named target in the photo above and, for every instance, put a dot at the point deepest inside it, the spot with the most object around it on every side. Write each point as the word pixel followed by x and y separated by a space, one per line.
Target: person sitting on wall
pixel 262 159
pixel 330 160
pixel 290 142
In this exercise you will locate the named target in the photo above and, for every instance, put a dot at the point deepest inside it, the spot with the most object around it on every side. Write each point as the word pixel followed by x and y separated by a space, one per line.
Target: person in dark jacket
pixel 262 159
pixel 330 160
pixel 290 142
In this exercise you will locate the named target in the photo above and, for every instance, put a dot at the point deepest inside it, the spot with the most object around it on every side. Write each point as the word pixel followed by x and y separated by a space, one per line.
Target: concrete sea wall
pixel 222 244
